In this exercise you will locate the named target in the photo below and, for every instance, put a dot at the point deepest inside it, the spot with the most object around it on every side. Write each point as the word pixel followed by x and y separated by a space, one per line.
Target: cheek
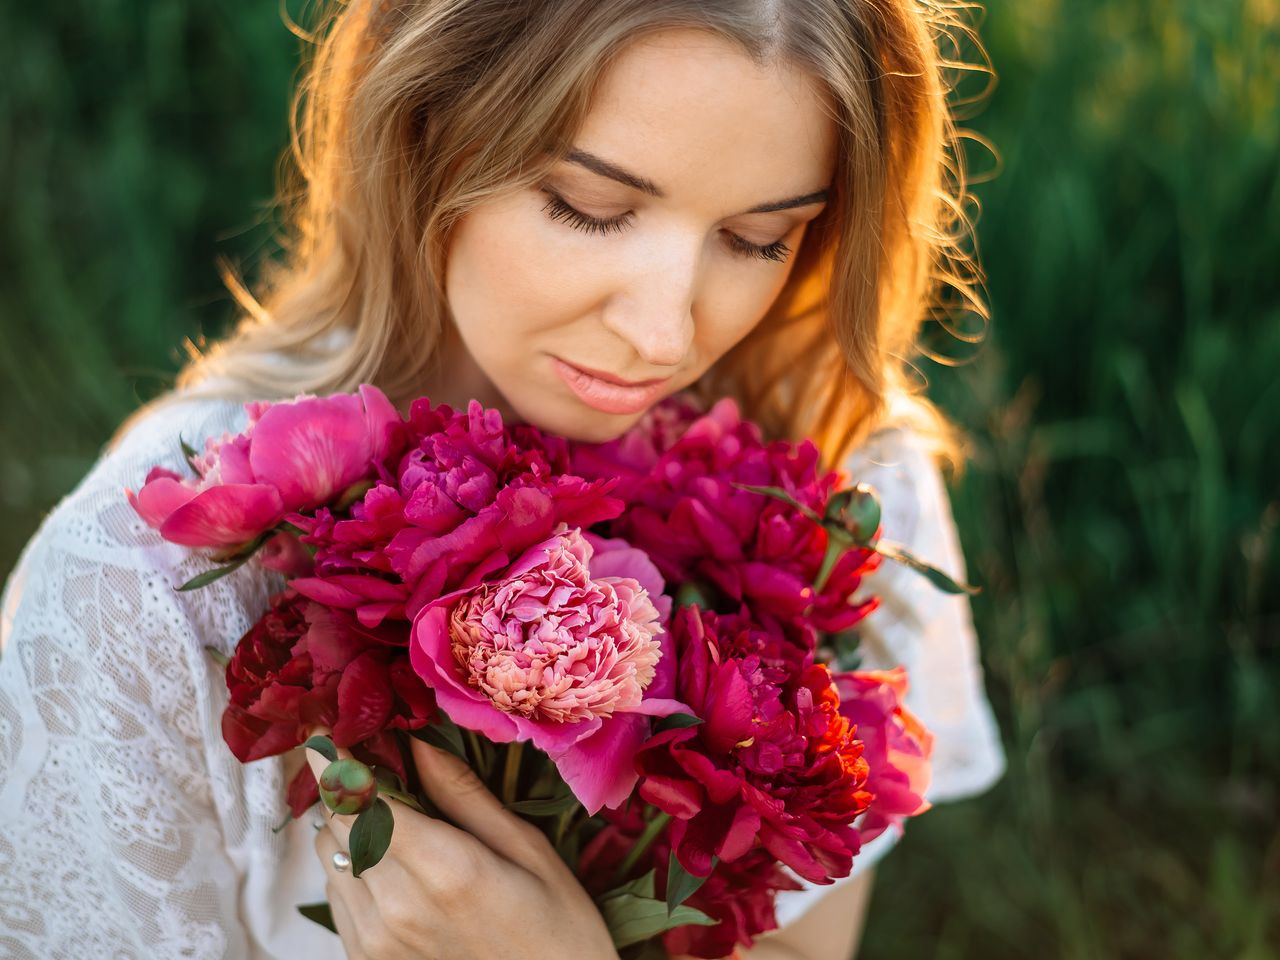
pixel 733 303
pixel 509 276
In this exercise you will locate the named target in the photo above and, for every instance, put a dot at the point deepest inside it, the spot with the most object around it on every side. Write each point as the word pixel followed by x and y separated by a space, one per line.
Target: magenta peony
pixel 772 764
pixel 564 650
pixel 748 548
pixel 897 747
pixel 466 497
pixel 293 456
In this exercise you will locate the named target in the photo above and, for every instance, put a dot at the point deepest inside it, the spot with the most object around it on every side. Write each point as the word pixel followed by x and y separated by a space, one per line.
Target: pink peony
pixel 565 650
pixel 897 747
pixel 293 456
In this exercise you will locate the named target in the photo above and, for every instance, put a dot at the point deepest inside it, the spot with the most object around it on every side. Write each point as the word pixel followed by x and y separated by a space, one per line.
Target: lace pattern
pixel 127 828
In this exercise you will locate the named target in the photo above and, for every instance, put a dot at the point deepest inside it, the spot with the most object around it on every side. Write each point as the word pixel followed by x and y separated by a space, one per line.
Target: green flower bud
pixel 690 593
pixel 857 511
pixel 347 786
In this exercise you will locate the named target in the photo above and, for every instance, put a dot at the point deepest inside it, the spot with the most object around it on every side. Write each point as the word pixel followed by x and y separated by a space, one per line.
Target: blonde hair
pixel 411 112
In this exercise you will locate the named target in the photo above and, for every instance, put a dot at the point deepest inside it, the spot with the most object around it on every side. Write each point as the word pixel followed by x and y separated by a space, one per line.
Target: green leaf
pixel 209 576
pixel 218 657
pixel 547 807
pixel 408 799
pixel 190 453
pixel 895 551
pixel 245 550
pixel 681 884
pixel 641 886
pixel 648 950
pixel 323 746
pixel 676 721
pixel 632 919
pixel 387 779
pixel 370 836
pixel 779 494
pixel 320 913
pixel 443 734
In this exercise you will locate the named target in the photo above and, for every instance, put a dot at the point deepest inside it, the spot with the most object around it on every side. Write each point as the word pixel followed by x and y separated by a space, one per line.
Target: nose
pixel 654 313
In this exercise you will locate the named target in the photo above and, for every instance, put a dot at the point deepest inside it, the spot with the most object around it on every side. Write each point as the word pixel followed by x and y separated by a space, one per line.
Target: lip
pixel 607 393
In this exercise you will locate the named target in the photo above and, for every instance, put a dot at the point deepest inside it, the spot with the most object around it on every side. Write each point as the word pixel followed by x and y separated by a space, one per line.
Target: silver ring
pixel 341 861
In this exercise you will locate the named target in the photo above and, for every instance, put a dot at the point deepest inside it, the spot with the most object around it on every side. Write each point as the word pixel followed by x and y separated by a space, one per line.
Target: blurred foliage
pixel 1123 501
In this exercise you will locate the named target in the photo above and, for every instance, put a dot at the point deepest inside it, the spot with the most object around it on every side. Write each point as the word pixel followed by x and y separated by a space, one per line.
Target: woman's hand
pixel 493 888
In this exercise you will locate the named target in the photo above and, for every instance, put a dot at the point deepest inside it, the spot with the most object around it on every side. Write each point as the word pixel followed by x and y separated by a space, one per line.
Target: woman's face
pixel 655 244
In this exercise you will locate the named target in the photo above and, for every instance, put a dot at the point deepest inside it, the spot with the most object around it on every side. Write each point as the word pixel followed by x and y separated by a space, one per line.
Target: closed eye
pixel 558 209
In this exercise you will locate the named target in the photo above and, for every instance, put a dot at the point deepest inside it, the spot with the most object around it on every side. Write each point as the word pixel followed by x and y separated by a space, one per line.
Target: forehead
pixel 690 111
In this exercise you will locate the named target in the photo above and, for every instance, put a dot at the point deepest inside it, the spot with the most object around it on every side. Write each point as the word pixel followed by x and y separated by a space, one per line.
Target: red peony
pixel 303 665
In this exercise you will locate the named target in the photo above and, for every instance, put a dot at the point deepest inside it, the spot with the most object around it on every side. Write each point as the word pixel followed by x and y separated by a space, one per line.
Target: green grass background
pixel 1121 509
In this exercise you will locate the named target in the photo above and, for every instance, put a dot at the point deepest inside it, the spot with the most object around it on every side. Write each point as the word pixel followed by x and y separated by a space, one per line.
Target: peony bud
pixel 857 511
pixel 688 594
pixel 347 786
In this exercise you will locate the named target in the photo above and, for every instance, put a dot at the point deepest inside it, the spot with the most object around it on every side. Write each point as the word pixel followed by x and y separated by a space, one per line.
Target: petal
pixel 380 416
pixel 660 707
pixel 728 709
pixel 224 516
pixel 432 660
pixel 311 449
pixel 364 700
pixel 600 769
pixel 162 494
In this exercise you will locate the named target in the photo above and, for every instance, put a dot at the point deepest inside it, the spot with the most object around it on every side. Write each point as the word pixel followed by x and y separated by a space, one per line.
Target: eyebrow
pixel 611 170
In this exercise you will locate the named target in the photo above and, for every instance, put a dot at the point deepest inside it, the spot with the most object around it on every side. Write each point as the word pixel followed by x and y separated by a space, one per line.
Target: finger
pixel 351 892
pixel 338 892
pixel 339 824
pixel 462 797
pixel 345 923
pixel 385 919
pixel 411 833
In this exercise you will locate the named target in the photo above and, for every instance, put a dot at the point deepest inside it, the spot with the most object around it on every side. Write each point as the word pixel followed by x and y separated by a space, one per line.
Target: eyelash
pixel 557 209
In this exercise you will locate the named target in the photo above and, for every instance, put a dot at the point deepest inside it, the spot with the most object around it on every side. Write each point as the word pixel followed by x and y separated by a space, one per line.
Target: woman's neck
pixel 457 380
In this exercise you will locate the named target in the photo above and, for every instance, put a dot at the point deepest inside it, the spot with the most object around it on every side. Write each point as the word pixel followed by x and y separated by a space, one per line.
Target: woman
pixel 568 210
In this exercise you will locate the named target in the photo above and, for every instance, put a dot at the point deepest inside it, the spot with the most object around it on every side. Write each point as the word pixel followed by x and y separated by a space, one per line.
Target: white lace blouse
pixel 127 828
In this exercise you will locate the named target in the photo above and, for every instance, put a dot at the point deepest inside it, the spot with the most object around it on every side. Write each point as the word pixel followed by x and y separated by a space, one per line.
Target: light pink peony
pixel 293 456
pixel 897 747
pixel 565 650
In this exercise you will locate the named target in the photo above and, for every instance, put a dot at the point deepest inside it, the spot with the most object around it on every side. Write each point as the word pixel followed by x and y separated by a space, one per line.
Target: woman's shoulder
pixel 899 463
pixel 94 560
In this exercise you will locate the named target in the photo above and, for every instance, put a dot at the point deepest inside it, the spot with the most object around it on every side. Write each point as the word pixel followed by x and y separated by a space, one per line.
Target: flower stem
pixel 562 825
pixel 478 756
pixel 511 773
pixel 650 834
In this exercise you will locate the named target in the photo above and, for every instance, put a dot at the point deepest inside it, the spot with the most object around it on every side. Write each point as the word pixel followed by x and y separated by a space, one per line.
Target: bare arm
pixel 829 931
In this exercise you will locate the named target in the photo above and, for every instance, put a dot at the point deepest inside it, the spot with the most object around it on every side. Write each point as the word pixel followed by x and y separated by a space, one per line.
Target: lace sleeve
pixel 128 829
pixel 929 632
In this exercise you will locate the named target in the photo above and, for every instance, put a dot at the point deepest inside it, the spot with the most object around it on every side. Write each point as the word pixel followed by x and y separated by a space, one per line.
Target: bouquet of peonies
pixel 665 619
